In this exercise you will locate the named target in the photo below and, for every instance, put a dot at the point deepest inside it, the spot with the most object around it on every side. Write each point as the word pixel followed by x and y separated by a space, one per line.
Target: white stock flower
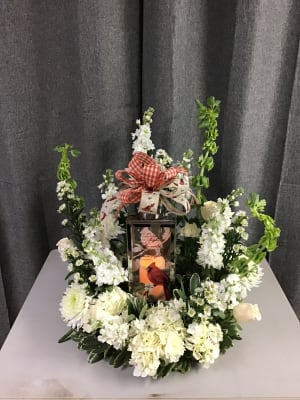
pixel 163 158
pixel 74 305
pixel 142 139
pixel 212 241
pixel 62 208
pixel 244 312
pixel 108 269
pixel 64 188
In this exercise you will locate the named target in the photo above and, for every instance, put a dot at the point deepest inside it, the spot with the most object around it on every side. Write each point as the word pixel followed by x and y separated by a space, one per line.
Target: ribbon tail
pixel 174 210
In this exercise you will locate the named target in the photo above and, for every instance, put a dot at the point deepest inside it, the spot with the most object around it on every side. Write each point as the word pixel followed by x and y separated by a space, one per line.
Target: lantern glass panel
pixel 151 257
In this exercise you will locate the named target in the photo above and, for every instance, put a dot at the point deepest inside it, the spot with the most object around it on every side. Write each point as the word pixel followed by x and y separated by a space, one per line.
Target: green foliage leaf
pixel 268 241
pixel 137 306
pixel 120 358
pixel 208 121
pixel 67 336
pixel 194 282
pixel 94 357
pixel 74 152
pixel 180 293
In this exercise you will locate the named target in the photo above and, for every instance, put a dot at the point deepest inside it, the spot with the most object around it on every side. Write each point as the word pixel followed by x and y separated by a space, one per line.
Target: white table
pixel 264 365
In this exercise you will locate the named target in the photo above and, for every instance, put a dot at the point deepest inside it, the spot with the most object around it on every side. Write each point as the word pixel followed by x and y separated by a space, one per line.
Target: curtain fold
pixel 82 71
pixel 286 260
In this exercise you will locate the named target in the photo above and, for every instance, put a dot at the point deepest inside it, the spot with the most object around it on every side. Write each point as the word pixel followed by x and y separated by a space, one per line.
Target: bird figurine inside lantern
pixel 151 245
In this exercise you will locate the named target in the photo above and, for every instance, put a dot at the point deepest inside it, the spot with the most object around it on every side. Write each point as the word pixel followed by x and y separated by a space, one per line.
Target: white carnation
pixel 114 331
pixel 161 336
pixel 113 302
pixel 203 340
pixel 145 351
pixel 174 347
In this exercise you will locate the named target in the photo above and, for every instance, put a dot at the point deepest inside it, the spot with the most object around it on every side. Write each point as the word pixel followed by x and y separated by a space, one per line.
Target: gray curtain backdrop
pixel 82 71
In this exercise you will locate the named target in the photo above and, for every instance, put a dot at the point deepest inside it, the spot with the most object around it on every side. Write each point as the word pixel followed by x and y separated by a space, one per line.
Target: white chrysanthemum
pixel 74 305
pixel 203 340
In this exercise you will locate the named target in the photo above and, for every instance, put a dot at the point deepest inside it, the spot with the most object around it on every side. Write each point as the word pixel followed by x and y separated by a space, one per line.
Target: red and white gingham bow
pixel 144 174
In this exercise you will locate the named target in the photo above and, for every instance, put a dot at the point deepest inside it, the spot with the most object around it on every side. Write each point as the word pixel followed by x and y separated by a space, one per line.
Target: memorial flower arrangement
pixel 197 315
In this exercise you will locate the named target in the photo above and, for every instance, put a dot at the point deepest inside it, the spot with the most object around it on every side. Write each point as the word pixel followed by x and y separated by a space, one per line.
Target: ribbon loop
pixel 144 175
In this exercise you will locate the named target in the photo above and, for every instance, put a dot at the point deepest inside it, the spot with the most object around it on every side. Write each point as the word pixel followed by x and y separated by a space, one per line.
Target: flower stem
pixel 208 120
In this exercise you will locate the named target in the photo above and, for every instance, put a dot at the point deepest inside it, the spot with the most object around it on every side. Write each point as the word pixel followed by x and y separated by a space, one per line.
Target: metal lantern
pixel 151 256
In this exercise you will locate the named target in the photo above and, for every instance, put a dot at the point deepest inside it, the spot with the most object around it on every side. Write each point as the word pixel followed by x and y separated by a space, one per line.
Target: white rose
pixel 208 209
pixel 190 230
pixel 244 312
pixel 63 245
